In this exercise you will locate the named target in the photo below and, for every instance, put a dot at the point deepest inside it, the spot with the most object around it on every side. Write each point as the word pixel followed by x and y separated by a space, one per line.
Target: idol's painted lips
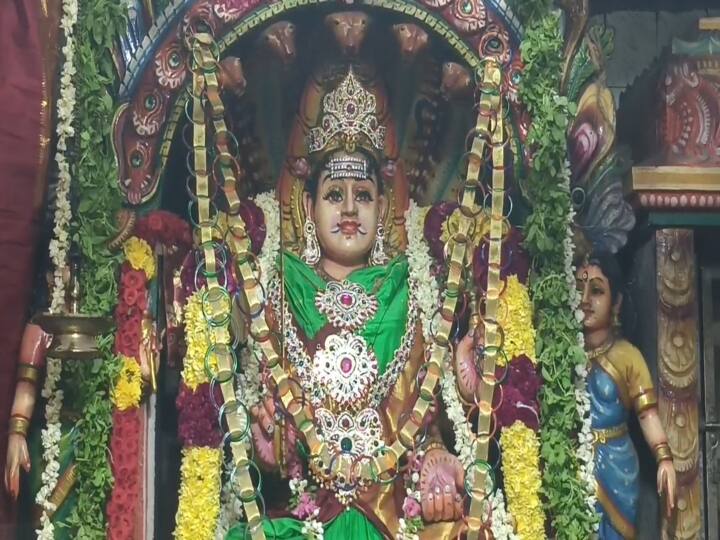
pixel 349 227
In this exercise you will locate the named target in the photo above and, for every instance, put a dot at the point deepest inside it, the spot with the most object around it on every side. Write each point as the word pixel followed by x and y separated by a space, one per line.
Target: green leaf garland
pixel 546 231
pixel 100 22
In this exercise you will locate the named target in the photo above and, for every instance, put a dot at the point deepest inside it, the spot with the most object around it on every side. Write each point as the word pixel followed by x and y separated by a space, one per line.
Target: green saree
pixel 389 285
pixel 351 524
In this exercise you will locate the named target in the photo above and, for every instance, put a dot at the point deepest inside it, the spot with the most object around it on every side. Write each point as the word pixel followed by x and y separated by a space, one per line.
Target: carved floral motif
pixel 678 367
pixel 141 124
pixel 691 124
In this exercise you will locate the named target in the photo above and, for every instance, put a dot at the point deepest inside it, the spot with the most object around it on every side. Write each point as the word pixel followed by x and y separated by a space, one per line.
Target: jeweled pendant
pixel 346 305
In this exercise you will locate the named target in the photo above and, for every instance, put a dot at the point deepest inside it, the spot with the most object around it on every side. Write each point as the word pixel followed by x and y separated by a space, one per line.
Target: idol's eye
pixel 363 195
pixel 597 291
pixel 334 196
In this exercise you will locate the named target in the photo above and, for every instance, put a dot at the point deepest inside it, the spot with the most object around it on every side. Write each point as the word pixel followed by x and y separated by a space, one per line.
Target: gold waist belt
pixel 601 436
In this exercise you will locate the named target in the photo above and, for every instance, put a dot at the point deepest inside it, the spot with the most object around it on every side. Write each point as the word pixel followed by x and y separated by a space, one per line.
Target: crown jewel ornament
pixel 349 114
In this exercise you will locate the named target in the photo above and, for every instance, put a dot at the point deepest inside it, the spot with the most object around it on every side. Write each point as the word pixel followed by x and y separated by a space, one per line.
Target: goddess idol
pixel 351 322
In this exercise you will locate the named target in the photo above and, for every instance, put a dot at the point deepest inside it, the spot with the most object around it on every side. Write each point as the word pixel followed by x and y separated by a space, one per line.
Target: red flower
pixel 127 340
pixel 514 258
pixel 523 376
pixel 197 419
pixel 162 227
pixel 518 393
pixel 129 296
pixel 125 497
pixel 141 301
pixel 155 223
pixel 133 279
pixel 122 310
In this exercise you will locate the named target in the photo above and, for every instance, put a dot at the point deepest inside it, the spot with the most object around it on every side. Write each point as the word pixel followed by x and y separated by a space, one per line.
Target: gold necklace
pixel 602 349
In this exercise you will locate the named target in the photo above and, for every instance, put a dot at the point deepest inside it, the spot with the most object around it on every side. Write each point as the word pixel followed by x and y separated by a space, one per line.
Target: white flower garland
pixel 249 382
pixel 267 259
pixel 420 260
pixel 60 243
pixel 58 248
pixel 271 247
pixel 231 508
pixel 501 522
pixel 404 531
pixel 584 453
pixel 51 447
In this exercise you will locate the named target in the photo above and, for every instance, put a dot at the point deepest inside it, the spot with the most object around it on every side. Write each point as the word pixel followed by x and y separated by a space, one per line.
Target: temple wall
pixel 641 37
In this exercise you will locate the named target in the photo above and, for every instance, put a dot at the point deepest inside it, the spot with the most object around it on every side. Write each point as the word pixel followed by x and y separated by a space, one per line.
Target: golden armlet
pixel 19 424
pixel 28 373
pixel 646 400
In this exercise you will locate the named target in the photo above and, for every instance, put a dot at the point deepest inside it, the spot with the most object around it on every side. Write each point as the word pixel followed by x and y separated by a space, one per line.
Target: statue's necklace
pixel 601 350
pixel 346 305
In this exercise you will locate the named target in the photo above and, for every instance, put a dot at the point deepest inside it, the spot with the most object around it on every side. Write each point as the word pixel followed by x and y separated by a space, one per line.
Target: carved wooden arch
pixel 152 89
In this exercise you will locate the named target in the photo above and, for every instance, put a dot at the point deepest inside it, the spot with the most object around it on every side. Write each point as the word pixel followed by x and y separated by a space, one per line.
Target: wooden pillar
pixel 678 371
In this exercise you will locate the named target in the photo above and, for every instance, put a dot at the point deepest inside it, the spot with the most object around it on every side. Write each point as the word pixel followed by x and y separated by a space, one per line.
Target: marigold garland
pixel 199 505
pixel 140 256
pixel 516 320
pixel 198 338
pixel 128 387
pixel 521 468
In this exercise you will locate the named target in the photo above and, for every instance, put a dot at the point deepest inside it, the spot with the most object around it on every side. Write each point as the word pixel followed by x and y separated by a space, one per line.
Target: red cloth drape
pixel 26 84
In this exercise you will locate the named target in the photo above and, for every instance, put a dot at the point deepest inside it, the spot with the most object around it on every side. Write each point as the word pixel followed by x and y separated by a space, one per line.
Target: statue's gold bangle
pixel 663 452
pixel 19 425
pixel 28 373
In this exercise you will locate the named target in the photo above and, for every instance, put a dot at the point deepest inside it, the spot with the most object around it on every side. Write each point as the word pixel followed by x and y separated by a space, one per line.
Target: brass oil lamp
pixel 74 334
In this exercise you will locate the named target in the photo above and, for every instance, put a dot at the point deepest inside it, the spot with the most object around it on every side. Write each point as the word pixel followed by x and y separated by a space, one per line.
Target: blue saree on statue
pixel 619 380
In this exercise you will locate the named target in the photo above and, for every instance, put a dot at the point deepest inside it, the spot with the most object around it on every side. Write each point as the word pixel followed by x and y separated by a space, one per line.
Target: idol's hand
pixel 263 431
pixel 441 486
pixel 17 456
pixel 468 376
pixel 667 484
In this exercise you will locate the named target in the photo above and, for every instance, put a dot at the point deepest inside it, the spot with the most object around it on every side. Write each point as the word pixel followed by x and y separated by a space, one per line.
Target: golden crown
pixel 348 117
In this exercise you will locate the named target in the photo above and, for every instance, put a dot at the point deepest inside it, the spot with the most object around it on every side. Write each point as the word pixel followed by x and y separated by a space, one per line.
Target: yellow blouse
pixel 626 365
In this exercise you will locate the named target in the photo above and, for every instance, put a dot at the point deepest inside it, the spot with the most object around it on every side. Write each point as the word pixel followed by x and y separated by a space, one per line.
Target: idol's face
pixel 346 209
pixel 596 297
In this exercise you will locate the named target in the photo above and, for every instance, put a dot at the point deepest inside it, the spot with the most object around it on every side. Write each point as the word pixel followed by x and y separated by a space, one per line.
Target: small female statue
pixel 619 382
